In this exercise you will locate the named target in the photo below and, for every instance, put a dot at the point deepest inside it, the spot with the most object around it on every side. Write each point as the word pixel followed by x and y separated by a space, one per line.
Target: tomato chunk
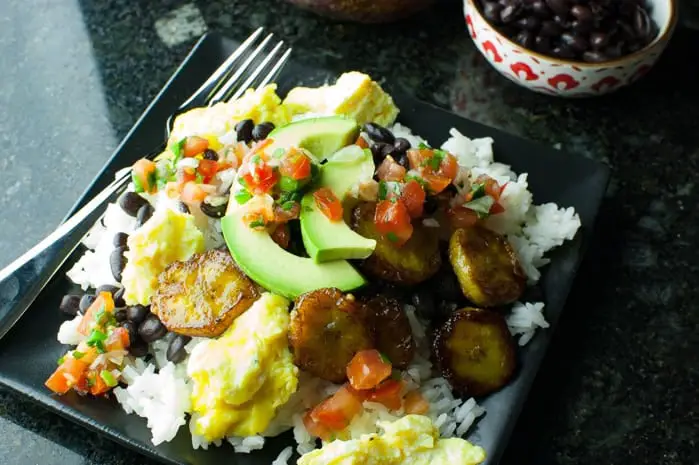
pixel 415 403
pixel 413 196
pixel 194 145
pixel 362 142
pixel 328 203
pixel 390 170
pixel 143 175
pixel 295 165
pixel 449 167
pixel 315 428
pixel 393 221
pixel 496 208
pixel 208 169
pixel 388 393
pixel 367 369
pixel 70 373
pixel 436 183
pixel 337 411
pixel 258 176
pixel 103 301
pixel 193 193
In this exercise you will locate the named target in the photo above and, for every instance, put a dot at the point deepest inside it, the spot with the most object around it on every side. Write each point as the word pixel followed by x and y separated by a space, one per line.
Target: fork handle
pixel 23 279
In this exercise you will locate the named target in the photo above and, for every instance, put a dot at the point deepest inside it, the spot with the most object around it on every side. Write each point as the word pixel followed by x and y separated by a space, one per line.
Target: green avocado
pixel 278 270
pixel 321 136
pixel 327 240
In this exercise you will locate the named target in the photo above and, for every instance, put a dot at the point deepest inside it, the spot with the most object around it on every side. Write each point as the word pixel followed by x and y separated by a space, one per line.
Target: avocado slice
pixel 278 270
pixel 321 136
pixel 327 240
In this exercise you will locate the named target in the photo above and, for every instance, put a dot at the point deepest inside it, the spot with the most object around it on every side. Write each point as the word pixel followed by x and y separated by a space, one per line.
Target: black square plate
pixel 29 352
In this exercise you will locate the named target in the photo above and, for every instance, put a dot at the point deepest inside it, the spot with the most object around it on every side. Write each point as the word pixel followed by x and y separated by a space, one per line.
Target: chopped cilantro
pixel 435 161
pixel 383 190
pixel 288 205
pixel 61 360
pixel 108 378
pixel 423 146
pixel 414 177
pixel 481 205
pixel 392 237
pixel 477 191
pixel 177 149
pixel 242 196
pixel 78 355
pixel 96 340
pixel 384 357
pixel 259 223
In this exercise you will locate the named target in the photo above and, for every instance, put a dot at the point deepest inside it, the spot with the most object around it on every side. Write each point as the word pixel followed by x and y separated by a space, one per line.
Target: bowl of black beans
pixel 571 48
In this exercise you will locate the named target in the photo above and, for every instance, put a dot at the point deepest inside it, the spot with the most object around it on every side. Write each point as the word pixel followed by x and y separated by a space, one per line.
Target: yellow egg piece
pixel 240 379
pixel 168 236
pixel 411 440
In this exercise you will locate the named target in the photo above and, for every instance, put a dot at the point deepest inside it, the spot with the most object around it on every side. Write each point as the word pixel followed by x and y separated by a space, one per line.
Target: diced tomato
pixel 449 167
pixel 194 145
pixel 281 236
pixel 418 157
pixel 143 175
pixel 258 176
pixel 337 411
pixel 362 142
pixel 387 393
pixel 435 183
pixel 296 165
pixel 192 193
pixel 328 203
pixel 393 221
pixel 103 301
pixel 185 175
pixel 316 429
pixel 413 196
pixel 118 339
pixel 415 404
pixel 367 369
pixel 461 217
pixel 67 375
pixel 99 386
pixel 492 188
pixel 496 208
pixel 208 169
pixel 390 170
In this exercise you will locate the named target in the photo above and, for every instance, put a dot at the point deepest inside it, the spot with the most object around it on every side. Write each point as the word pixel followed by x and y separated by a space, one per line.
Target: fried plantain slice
pixel 203 295
pixel 325 332
pixel 475 351
pixel 486 266
pixel 414 262
pixel 390 328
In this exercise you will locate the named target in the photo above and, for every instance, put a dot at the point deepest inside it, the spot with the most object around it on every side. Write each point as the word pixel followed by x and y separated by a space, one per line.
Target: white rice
pixel 160 391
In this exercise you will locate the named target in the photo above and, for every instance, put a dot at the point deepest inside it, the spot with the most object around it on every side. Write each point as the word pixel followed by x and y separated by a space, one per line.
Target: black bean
pixel 423 300
pixel 70 304
pixel 85 302
pixel 106 288
pixel 137 313
pixel 542 44
pixel 401 145
pixel 378 133
pixel 377 151
pixel 262 130
pixel 510 12
pixel 550 28
pixel 599 40
pixel 117 262
pixel 119 298
pixel 387 150
pixel 144 214
pixel 582 27
pixel 560 7
pixel 210 155
pixel 491 11
pixel 447 287
pixel 642 23
pixel 120 314
pixel 131 202
pixel 138 348
pixel 132 329
pixel 540 9
pixel 404 161
pixel 214 211
pixel 120 239
pixel 529 23
pixel 151 329
pixel 175 350
pixel 525 39
pixel 446 308
pixel 575 42
pixel 582 13
pixel 181 207
pixel 243 130
pixel 564 52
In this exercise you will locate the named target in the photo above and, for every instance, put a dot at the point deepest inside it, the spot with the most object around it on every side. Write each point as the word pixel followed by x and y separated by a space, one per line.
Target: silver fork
pixel 23 279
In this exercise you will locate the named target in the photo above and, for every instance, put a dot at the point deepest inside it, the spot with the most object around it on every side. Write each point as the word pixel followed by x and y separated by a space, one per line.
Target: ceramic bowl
pixel 564 78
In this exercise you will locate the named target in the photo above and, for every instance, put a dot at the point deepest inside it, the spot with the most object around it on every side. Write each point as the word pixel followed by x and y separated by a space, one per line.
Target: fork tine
pixel 275 71
pixel 251 79
pixel 217 78
pixel 218 96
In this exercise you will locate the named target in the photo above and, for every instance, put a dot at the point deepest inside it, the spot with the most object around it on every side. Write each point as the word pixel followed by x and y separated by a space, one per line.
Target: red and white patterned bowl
pixel 566 78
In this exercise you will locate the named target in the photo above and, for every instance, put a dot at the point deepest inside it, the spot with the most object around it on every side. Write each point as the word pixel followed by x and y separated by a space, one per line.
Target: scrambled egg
pixel 354 94
pixel 240 379
pixel 168 236
pixel 213 122
pixel 412 440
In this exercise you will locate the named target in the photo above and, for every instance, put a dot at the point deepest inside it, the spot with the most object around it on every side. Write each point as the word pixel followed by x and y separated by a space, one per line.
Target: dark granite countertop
pixel 619 385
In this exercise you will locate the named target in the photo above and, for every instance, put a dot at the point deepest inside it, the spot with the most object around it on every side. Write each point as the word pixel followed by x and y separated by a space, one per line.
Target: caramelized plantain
pixel 413 262
pixel 325 332
pixel 486 266
pixel 475 351
pixel 390 328
pixel 203 295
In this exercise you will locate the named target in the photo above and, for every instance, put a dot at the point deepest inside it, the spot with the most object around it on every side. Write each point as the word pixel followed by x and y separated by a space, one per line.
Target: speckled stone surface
pixel 619 385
